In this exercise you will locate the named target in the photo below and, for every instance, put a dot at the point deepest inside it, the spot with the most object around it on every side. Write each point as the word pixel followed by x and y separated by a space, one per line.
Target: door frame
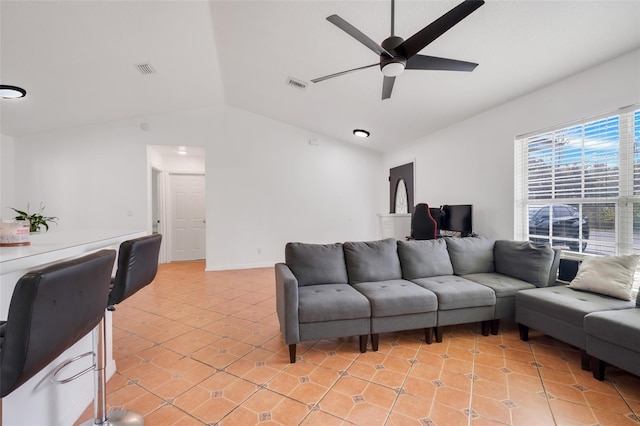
pixel 169 214
pixel 160 197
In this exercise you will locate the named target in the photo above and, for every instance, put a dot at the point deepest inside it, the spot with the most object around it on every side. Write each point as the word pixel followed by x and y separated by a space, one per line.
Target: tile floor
pixel 204 348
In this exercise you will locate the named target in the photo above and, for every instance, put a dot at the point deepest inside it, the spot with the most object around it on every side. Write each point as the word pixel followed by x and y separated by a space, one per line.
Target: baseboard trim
pixel 212 268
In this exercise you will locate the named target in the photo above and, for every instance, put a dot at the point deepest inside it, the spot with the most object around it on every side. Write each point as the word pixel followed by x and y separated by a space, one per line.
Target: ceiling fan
pixel 397 54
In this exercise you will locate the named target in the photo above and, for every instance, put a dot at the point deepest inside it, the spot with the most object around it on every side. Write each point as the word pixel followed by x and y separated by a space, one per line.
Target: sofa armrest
pixel 287 303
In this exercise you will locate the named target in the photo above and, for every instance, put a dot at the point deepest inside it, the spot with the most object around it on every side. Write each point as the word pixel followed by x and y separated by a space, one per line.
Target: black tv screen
pixel 457 218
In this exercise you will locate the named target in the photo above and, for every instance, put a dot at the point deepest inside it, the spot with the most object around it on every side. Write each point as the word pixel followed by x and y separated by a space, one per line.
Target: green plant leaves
pixel 36 220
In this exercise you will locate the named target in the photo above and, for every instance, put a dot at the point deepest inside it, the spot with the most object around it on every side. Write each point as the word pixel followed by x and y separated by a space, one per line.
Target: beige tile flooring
pixel 198 347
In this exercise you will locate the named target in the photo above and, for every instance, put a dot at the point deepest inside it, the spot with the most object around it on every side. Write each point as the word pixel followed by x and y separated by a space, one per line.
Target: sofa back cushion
pixel 372 261
pixel 471 255
pixel 315 264
pixel 524 260
pixel 424 259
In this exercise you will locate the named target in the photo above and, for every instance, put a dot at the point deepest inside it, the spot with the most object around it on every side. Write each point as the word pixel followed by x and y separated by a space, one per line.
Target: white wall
pixel 471 162
pixel 276 188
pixel 89 177
pixel 265 184
pixel 176 163
pixel 6 176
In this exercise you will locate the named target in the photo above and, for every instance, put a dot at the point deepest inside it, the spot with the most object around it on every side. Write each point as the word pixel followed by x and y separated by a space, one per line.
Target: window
pixel 578 185
pixel 401 197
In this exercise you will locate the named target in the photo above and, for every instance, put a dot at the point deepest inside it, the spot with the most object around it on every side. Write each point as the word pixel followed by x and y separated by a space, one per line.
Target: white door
pixel 187 217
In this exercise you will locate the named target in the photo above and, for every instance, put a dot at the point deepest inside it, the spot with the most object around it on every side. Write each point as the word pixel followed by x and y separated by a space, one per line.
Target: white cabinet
pixel 393 225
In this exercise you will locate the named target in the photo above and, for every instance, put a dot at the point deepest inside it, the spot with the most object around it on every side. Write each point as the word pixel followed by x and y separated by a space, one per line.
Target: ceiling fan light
pixel 393 69
pixel 11 92
pixel 361 133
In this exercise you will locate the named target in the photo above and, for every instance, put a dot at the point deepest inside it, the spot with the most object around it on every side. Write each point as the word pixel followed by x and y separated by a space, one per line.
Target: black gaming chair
pixel 51 309
pixel 423 225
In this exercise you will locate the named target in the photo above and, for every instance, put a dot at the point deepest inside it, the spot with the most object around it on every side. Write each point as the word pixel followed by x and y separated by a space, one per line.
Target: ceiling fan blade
pixel 326 77
pixel 387 87
pixel 357 34
pixel 423 62
pixel 422 38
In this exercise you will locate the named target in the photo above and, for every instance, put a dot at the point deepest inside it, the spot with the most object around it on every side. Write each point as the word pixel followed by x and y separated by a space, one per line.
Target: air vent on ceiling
pixel 298 84
pixel 145 69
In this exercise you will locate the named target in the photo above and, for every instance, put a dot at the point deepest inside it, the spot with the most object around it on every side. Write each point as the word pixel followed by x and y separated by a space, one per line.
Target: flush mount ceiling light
pixel 11 92
pixel 361 133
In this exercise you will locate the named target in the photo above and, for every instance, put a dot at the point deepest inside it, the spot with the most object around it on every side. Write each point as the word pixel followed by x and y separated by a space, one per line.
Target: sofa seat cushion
pixel 502 285
pixel 313 264
pixel 524 260
pixel 397 297
pixel 424 258
pixel 471 255
pixel 331 302
pixel 621 327
pixel 372 261
pixel 455 292
pixel 566 304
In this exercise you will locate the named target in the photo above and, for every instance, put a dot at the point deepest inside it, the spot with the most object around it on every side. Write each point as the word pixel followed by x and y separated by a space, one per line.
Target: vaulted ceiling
pixel 78 60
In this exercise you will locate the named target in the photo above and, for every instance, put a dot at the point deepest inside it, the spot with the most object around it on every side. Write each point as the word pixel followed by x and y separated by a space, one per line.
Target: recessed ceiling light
pixel 11 92
pixel 361 133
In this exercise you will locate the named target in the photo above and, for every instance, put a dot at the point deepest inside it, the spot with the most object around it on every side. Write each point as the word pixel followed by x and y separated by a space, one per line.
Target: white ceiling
pixel 77 60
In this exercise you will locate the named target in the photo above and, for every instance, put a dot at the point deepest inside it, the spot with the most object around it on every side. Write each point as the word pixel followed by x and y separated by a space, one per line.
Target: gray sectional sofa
pixel 614 337
pixel 605 329
pixel 326 291
pixel 560 312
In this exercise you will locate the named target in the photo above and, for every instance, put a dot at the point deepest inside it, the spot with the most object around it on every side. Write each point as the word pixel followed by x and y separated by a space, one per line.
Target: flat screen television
pixel 457 218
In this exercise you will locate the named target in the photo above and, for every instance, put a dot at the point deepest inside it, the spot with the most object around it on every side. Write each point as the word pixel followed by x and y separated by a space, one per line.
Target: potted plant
pixel 36 220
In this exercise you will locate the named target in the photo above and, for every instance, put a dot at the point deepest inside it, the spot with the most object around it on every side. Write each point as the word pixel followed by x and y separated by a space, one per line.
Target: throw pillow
pixel 608 275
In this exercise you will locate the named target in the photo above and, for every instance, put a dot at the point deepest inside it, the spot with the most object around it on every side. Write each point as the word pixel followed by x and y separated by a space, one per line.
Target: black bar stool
pixel 51 309
pixel 137 267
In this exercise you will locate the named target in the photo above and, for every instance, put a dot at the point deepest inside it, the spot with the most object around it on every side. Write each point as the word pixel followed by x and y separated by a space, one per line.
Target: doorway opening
pixel 177 200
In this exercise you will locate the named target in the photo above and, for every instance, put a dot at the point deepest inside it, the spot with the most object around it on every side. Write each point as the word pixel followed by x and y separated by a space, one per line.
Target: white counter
pixel 394 225
pixel 40 402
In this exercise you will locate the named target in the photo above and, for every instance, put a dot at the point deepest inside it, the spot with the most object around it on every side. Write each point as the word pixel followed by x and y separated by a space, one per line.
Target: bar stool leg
pixel 116 418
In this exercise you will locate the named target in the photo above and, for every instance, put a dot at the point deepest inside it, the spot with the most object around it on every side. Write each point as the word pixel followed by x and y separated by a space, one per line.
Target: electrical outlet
pixel 259 251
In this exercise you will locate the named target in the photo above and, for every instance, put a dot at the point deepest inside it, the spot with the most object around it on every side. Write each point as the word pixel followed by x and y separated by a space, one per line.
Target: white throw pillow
pixel 609 275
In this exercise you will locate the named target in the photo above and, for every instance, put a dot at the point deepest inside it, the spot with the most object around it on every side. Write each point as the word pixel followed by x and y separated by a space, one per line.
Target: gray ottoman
pixel 613 337
pixel 559 312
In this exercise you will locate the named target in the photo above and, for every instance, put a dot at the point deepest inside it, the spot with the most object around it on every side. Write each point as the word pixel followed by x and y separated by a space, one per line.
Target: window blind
pixel 578 185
